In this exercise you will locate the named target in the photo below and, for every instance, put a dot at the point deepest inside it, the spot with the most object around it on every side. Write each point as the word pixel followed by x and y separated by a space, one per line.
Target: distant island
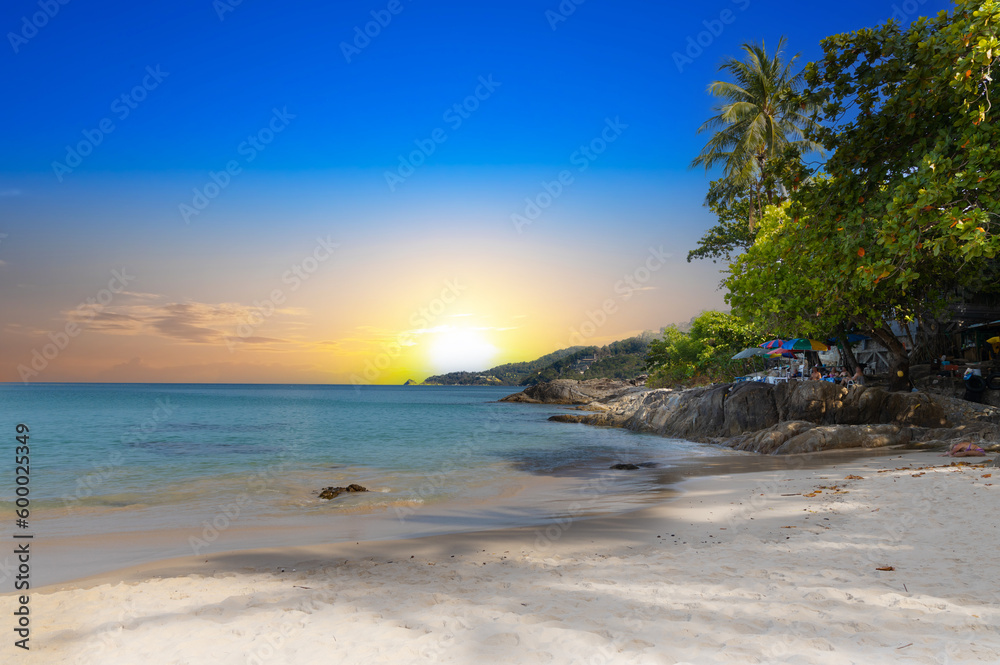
pixel 624 359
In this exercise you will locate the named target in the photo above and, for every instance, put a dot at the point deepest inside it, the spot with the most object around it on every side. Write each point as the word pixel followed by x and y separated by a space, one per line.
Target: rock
pixel 769 440
pixel 411 382
pixel 995 462
pixel 800 416
pixel 569 391
pixel 832 437
pixel 333 492
pixel 569 418
pixel 624 467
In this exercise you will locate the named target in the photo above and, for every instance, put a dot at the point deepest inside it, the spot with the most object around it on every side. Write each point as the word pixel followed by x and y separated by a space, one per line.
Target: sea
pixel 205 459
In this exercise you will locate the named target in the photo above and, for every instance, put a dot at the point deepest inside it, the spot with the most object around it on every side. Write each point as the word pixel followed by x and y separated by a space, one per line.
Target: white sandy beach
pixel 748 568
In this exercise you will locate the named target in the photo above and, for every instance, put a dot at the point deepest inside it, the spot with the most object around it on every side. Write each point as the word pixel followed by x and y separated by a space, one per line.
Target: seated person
pixel 815 374
pixel 859 377
pixel 965 449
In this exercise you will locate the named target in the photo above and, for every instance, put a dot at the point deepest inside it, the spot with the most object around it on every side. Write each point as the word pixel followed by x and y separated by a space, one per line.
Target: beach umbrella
pixel 802 344
pixel 750 353
pixel 773 344
pixel 781 353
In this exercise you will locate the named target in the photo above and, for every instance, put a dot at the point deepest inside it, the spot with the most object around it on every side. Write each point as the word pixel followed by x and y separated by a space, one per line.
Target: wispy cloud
pixel 191 322
pixel 10 192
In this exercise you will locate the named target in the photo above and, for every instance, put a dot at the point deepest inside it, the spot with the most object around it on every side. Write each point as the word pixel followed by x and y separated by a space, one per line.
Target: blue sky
pixel 188 88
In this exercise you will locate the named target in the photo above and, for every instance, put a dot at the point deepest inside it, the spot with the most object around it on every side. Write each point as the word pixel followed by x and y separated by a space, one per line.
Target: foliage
pixel 704 353
pixel 509 374
pixel 623 359
pixel 732 234
pixel 903 214
pixel 757 118
pixel 618 360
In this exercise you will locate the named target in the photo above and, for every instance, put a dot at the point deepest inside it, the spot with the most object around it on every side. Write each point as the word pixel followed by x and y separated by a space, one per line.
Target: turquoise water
pixel 144 456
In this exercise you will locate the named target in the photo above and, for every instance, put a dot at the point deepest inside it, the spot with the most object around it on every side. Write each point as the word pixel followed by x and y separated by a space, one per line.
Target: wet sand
pixel 769 566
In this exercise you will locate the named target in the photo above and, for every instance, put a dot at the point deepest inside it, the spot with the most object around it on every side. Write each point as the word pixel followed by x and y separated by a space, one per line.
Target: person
pixel 859 377
pixel 815 375
pixel 965 449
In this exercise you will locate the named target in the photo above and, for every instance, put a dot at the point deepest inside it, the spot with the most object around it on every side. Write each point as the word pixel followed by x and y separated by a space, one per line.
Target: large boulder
pixel 749 407
pixel 832 437
pixel 695 414
pixel 801 416
pixel 569 391
pixel 768 440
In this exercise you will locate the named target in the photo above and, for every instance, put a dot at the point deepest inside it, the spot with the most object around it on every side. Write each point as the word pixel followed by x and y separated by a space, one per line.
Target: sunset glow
pixel 305 214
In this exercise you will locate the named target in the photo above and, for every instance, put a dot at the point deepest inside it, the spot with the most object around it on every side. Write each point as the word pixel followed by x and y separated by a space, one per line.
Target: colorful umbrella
pixel 781 353
pixel 801 344
pixel 749 353
pixel 773 344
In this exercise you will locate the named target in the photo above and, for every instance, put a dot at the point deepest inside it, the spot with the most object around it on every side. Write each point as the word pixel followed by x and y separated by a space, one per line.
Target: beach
pixel 767 567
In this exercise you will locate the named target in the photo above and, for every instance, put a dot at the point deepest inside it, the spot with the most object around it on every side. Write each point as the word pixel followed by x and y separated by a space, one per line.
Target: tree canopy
pixel 704 352
pixel 757 118
pixel 904 211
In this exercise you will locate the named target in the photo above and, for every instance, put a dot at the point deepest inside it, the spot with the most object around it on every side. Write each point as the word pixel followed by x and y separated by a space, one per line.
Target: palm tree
pixel 758 117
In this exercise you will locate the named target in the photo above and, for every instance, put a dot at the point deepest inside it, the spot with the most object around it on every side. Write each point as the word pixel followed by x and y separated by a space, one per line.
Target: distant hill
pixel 624 359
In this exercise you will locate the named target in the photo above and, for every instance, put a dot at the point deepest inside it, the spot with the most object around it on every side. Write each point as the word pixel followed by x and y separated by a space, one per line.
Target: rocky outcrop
pixel 796 417
pixel 568 391
pixel 804 437
pixel 730 410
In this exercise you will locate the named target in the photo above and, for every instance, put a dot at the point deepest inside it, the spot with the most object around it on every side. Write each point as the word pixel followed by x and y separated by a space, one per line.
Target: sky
pixel 360 191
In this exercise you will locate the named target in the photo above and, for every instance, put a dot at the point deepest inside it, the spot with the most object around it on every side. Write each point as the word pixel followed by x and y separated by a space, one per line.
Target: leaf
pixel 861 252
pixel 885 568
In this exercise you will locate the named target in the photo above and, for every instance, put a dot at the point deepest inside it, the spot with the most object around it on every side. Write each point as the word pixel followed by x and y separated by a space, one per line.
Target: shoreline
pixel 734 568
pixel 532 502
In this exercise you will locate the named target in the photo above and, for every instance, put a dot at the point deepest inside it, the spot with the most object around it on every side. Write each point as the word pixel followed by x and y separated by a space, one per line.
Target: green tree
pixel 702 354
pixel 904 215
pixel 731 234
pixel 757 117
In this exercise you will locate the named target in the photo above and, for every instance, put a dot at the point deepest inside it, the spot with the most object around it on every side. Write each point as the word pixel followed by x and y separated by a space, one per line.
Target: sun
pixel 459 349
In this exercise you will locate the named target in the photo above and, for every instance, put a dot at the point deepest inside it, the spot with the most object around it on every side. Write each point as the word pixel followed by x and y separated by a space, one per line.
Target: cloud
pixel 191 322
pixel 111 322
pixel 10 192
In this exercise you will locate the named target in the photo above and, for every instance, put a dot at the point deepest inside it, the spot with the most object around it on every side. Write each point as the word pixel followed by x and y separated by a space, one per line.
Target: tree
pixel 758 117
pixel 904 215
pixel 731 235
pixel 703 353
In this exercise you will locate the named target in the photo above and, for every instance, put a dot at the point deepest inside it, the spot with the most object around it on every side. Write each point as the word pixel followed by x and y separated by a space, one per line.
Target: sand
pixel 748 568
